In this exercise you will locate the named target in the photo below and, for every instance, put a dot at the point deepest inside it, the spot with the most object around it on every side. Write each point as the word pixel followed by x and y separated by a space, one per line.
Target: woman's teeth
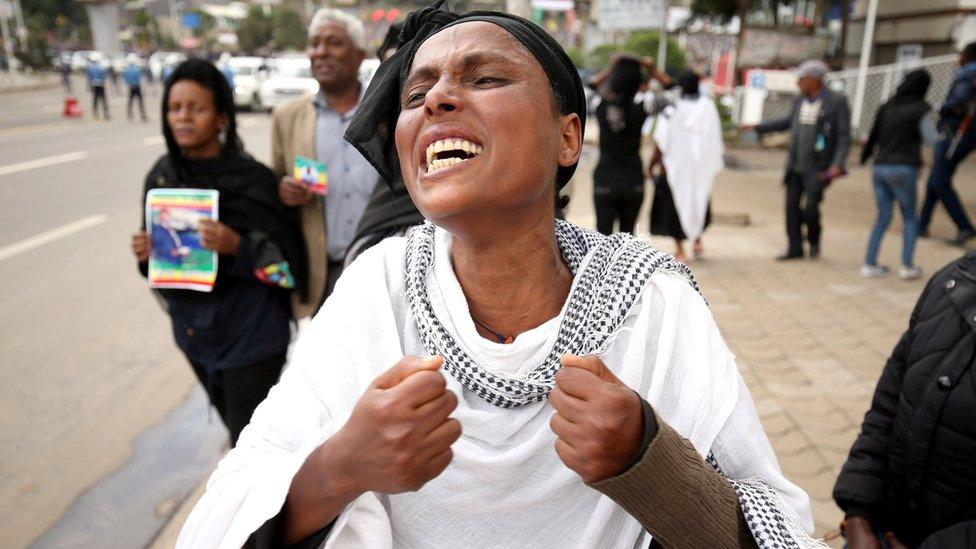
pixel 448 152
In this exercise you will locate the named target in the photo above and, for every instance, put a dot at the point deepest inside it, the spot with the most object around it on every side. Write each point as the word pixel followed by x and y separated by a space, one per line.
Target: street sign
pixel 190 20
pixel 908 52
pixel 553 5
pixel 631 14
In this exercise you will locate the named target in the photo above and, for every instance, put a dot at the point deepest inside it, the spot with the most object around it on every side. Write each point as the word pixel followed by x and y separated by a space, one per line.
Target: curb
pixel 167 535
pixel 29 87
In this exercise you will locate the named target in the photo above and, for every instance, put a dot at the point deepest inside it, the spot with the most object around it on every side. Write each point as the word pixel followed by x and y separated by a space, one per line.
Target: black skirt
pixel 664 216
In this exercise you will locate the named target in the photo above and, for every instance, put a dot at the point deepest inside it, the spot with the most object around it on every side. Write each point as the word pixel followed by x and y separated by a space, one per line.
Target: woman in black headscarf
pixel 900 128
pixel 487 381
pixel 236 335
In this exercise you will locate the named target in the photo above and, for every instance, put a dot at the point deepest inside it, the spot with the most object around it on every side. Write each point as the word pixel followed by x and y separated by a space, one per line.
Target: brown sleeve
pixel 278 165
pixel 678 497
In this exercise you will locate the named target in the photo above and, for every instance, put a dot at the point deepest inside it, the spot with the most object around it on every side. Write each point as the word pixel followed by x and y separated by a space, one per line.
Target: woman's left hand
pixel 599 420
pixel 218 237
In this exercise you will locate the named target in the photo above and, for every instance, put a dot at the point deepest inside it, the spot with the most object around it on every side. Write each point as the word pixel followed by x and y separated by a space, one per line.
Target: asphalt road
pixel 98 408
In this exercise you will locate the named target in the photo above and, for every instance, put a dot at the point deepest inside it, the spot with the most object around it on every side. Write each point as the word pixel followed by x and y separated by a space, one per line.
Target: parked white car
pixel 159 59
pixel 290 78
pixel 79 60
pixel 249 74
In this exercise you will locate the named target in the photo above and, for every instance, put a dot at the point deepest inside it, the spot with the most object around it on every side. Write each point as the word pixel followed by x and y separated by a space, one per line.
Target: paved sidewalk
pixel 810 337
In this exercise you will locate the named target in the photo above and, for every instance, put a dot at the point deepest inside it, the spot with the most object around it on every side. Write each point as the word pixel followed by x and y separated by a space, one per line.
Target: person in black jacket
pixel 911 474
pixel 236 335
pixel 900 127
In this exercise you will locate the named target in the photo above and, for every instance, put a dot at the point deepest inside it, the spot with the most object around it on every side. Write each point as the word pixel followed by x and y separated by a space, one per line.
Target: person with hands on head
pixel 236 335
pixel 578 394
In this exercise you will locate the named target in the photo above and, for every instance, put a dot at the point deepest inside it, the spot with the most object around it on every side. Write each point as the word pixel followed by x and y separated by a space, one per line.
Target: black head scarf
pixel 373 127
pixel 915 85
pixel 688 82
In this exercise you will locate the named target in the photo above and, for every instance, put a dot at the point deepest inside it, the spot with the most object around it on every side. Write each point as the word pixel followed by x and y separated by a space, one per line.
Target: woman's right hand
pixel 860 534
pixel 399 435
pixel 397 438
pixel 141 246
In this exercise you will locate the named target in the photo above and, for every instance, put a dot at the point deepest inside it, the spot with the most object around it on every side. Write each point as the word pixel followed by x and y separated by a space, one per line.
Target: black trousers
pixel 98 95
pixel 135 94
pixel 235 393
pixel 803 196
pixel 617 204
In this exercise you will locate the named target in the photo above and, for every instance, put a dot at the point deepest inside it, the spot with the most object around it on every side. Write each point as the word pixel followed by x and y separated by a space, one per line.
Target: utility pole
pixel 862 69
pixel 662 42
pixel 21 28
pixel 6 10
pixel 174 23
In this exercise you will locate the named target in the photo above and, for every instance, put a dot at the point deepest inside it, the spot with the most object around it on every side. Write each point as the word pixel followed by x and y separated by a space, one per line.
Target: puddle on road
pixel 129 507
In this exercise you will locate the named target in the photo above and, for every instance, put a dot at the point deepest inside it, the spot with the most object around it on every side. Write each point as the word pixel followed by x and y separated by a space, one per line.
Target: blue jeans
pixel 894 182
pixel 939 187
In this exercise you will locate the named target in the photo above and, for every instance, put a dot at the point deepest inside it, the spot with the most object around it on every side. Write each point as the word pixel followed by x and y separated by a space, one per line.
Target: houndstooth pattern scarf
pixel 606 289
pixel 772 522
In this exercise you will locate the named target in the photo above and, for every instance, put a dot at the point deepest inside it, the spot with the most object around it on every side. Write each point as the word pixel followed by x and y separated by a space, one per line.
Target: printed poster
pixel 313 174
pixel 177 260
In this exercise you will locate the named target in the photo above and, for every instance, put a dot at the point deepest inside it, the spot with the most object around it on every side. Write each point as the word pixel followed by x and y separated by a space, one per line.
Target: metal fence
pixel 880 84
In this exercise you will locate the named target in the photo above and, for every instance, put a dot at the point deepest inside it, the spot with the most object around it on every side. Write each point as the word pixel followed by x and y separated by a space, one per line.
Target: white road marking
pixel 153 141
pixel 42 162
pixel 46 237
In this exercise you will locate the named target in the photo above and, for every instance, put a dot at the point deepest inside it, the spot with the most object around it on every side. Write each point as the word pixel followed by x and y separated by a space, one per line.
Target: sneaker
pixel 873 271
pixel 910 273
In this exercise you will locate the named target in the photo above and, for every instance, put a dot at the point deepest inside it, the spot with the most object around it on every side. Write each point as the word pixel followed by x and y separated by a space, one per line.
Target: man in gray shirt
pixel 820 126
pixel 313 126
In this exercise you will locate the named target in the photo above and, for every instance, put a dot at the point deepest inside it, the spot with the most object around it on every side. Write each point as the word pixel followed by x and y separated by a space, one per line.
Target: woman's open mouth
pixel 445 153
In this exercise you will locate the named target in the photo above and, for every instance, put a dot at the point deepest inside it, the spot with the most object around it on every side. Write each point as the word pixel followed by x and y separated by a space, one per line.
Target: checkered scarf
pixel 606 288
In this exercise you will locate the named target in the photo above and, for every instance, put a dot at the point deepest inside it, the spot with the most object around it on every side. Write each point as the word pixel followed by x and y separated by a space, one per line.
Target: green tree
pixel 577 57
pixel 645 44
pixel 289 29
pixel 36 53
pixel 61 17
pixel 255 31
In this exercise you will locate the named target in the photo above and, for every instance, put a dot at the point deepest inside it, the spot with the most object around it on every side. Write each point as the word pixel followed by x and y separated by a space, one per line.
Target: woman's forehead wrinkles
pixel 462 62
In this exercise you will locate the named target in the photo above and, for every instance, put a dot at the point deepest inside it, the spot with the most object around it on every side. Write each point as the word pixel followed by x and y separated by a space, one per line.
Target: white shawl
pixel 506 487
pixel 689 135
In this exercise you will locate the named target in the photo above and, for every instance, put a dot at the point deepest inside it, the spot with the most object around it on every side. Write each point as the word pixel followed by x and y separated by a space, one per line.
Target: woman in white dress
pixel 498 378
